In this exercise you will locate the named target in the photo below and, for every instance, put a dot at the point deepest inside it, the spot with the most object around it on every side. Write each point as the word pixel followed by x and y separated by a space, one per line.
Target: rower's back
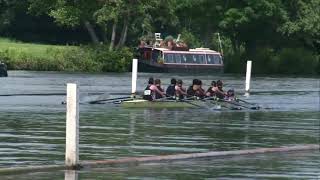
pixel 170 92
pixel 148 94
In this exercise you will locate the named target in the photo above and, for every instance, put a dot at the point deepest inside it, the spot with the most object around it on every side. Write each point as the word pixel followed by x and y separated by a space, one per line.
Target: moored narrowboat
pixel 172 58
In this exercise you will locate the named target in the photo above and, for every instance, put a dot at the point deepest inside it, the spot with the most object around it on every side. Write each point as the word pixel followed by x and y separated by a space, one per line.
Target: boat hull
pixel 140 103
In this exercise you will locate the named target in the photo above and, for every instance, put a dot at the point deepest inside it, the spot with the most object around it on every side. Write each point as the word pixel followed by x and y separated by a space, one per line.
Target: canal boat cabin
pixel 199 60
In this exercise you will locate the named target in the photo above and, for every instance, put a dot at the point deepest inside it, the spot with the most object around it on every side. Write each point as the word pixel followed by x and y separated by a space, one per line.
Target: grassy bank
pixel 39 57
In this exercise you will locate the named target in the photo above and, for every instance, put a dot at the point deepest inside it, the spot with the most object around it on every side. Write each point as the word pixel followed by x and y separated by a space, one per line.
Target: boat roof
pixel 196 50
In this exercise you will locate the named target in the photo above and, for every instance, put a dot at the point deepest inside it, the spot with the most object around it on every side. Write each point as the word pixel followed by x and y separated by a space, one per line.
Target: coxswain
pixel 180 90
pixel 170 92
pixel 159 92
pixel 230 95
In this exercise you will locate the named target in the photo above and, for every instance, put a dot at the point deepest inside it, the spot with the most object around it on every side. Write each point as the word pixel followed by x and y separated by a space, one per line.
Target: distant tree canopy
pixel 245 26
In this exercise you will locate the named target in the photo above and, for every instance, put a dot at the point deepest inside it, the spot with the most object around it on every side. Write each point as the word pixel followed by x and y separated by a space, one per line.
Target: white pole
pixel 70 175
pixel 72 126
pixel 220 44
pixel 248 77
pixel 134 76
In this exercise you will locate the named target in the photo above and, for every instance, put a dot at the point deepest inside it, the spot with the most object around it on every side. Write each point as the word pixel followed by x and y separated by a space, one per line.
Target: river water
pixel 32 127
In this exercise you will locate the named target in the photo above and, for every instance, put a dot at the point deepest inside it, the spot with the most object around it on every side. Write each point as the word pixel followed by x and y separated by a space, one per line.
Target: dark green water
pixel 32 128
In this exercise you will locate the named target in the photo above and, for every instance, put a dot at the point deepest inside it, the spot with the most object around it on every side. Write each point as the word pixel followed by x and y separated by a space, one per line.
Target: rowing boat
pixel 141 103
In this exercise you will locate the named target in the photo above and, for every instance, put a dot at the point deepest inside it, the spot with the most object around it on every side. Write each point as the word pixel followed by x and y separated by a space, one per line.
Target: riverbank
pixel 39 57
pixel 98 58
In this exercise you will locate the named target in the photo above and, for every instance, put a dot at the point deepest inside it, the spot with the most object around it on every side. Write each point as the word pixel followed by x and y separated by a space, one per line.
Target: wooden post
pixel 134 77
pixel 72 126
pixel 248 78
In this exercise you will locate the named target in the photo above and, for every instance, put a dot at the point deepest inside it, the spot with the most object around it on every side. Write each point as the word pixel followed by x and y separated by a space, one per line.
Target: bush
pixel 81 59
pixel 296 61
pixel 264 61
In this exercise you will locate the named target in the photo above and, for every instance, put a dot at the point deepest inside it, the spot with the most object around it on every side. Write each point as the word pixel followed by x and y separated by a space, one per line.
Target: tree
pixel 68 13
pixel 303 22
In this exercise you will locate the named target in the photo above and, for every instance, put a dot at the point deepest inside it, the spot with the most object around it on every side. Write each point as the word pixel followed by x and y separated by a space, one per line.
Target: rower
pixel 200 93
pixel 148 93
pixel 170 92
pixel 179 90
pixel 230 95
pixel 219 92
pixel 159 92
pixel 195 90
pixel 211 92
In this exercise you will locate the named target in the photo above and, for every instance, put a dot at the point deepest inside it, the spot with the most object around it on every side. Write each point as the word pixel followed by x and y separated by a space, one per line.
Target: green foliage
pixel 22 56
pixel 296 61
pixel 269 32
pixel 190 39
pixel 67 16
pixel 114 61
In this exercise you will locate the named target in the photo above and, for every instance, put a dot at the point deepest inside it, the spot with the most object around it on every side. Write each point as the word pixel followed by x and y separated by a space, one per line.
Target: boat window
pixel 165 56
pixel 201 59
pixel 217 59
pixel 194 58
pixel 213 59
pixel 178 58
pixel 190 58
pixel 169 58
pixel 184 58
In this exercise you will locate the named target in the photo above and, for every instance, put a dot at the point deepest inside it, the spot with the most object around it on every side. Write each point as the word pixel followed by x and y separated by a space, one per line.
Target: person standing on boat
pixel 179 90
pixel 170 92
pixel 159 92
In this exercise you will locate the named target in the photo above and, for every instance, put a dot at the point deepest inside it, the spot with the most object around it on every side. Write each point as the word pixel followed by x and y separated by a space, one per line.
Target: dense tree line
pixel 279 35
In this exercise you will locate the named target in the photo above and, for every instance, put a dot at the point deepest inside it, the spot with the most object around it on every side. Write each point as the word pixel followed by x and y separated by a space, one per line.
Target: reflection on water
pixel 33 128
pixel 294 165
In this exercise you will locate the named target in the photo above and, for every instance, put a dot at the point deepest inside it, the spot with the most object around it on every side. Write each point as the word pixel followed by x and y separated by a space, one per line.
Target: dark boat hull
pixel 145 66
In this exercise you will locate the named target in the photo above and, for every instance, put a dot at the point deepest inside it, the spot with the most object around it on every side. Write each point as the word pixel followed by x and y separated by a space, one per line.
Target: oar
pixel 211 99
pixel 237 104
pixel 189 102
pixel 246 102
pixel 110 99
